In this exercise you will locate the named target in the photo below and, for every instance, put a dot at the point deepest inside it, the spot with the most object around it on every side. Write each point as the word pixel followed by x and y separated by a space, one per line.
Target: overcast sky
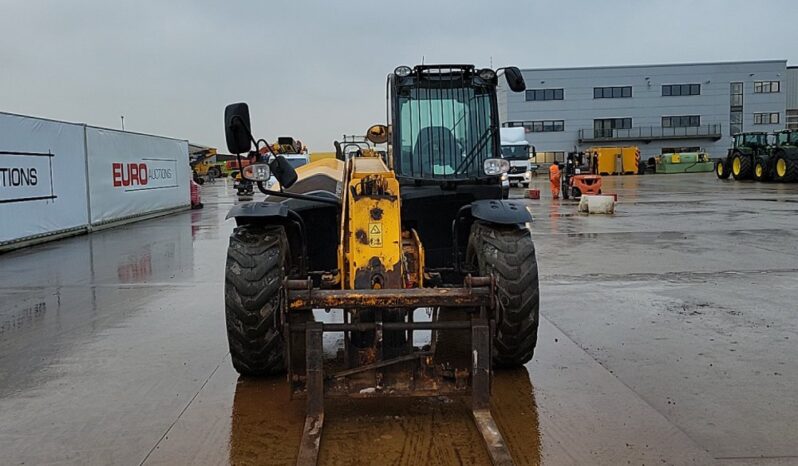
pixel 316 70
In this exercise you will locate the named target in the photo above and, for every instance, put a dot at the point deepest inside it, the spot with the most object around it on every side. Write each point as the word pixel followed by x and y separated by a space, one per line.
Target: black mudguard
pixel 495 211
pixel 299 217
pixel 259 210
pixel 501 212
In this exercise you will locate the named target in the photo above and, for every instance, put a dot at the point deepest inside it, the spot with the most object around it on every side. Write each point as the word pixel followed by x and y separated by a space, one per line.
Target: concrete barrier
pixel 597 204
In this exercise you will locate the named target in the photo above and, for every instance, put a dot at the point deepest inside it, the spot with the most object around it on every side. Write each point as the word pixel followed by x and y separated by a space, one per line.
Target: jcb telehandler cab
pixel 383 238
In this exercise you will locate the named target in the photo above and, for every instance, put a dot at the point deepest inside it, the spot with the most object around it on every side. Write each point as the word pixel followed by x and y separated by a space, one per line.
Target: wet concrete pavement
pixel 668 336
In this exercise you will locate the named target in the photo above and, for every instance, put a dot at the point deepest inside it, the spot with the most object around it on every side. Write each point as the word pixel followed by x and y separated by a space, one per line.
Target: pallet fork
pixel 413 373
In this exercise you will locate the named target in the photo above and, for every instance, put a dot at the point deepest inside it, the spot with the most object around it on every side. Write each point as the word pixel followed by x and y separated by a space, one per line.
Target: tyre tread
pixel 253 277
pixel 509 253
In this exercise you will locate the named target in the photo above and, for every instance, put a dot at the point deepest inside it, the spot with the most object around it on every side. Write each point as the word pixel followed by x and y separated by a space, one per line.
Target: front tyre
pixel 760 170
pixel 256 263
pixel 786 169
pixel 507 252
pixel 741 166
pixel 721 170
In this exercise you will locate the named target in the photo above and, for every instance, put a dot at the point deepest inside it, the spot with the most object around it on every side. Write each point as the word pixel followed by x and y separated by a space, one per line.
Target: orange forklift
pixel 579 177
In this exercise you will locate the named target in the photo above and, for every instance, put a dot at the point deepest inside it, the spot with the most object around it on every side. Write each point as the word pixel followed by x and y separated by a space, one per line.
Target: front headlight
pixel 487 74
pixel 496 166
pixel 402 71
pixel 256 172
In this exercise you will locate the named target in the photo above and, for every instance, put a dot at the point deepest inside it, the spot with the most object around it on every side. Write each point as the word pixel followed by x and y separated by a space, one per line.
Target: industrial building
pixel 659 108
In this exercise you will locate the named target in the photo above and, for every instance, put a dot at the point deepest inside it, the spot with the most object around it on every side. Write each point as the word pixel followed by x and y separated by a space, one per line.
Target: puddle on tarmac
pixel 267 426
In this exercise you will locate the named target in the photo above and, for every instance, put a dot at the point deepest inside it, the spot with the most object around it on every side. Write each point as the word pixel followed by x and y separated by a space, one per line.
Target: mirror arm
pixel 241 121
pixel 254 141
pixel 238 156
pixel 268 146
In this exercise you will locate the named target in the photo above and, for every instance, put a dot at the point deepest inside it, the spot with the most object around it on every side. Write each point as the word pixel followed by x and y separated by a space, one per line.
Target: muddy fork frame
pixel 478 292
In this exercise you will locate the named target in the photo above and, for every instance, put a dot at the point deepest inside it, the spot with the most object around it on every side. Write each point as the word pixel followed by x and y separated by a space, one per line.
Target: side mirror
pixel 339 153
pixel 236 128
pixel 283 171
pixel 378 134
pixel 514 79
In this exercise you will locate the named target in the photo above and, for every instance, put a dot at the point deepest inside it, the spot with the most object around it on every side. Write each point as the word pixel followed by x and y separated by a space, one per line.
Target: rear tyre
pixel 721 170
pixel 256 263
pixel 786 169
pixel 526 185
pixel 742 168
pixel 760 171
pixel 214 172
pixel 508 253
pixel 577 193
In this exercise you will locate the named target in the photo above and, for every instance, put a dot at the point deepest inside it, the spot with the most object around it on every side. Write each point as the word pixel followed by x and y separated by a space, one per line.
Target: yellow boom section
pixel 372 242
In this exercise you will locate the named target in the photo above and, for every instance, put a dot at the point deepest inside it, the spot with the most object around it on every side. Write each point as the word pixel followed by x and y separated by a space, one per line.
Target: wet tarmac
pixel 668 337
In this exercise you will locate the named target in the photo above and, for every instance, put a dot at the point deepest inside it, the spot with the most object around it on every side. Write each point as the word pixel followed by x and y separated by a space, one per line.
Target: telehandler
pixel 379 237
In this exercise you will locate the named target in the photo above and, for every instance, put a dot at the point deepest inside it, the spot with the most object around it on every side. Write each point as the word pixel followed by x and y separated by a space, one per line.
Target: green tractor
pixel 748 151
pixel 784 156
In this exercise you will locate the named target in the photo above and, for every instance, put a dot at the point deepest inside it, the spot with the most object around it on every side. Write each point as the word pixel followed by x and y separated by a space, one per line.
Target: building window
pixel 614 92
pixel 544 126
pixel 735 108
pixel 681 89
pixel 544 94
pixel 792 119
pixel 676 150
pixel 538 126
pixel 550 157
pixel 682 121
pixel 612 123
pixel 766 118
pixel 603 128
pixel 766 87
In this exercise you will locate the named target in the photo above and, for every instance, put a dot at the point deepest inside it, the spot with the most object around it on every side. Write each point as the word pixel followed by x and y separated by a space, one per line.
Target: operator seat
pixel 433 144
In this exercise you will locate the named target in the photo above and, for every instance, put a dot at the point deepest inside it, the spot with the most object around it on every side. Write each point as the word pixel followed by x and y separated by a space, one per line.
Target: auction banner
pixel 42 177
pixel 134 174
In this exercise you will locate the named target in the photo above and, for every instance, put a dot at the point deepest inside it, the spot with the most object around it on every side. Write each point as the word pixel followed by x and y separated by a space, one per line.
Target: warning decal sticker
pixel 375 235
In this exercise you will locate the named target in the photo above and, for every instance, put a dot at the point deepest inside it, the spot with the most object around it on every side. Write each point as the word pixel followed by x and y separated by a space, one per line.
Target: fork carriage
pixel 377 369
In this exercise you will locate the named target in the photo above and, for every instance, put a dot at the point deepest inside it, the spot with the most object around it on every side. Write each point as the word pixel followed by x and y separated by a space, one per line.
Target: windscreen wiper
pixel 476 149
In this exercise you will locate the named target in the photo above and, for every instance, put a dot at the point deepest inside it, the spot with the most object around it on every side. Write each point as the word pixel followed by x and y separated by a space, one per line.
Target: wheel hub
pixel 781 167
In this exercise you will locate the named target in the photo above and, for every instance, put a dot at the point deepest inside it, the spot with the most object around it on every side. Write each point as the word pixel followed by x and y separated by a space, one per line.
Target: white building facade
pixel 659 108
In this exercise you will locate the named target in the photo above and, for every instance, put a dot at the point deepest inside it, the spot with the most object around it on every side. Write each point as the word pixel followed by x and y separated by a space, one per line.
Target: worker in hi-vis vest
pixel 554 179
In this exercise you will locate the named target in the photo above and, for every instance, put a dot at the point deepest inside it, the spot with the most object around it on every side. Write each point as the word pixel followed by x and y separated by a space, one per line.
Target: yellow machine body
pixel 371 251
